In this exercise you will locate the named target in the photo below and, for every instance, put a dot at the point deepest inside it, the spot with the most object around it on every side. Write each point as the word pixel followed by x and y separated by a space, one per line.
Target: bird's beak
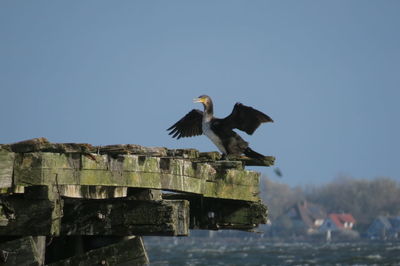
pixel 198 100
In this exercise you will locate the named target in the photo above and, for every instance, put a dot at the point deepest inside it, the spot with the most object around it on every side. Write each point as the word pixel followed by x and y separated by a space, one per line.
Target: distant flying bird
pixel 278 172
pixel 220 131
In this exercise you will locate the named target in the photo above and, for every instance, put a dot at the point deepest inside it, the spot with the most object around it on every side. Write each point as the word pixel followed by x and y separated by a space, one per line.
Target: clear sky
pixel 112 72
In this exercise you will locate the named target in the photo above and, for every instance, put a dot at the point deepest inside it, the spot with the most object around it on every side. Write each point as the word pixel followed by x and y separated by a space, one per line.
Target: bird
pixel 220 130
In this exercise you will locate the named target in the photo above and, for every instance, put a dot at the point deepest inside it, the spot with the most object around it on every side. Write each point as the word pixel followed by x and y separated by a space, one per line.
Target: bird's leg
pixel 228 157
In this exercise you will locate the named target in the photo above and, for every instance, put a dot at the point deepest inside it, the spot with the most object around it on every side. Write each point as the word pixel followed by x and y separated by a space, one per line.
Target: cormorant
pixel 220 131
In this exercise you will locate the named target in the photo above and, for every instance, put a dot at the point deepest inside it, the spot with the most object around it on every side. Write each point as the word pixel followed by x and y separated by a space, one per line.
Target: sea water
pixel 262 251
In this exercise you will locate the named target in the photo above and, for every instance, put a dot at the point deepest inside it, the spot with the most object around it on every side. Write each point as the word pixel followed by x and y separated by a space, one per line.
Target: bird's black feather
pixel 188 126
pixel 246 118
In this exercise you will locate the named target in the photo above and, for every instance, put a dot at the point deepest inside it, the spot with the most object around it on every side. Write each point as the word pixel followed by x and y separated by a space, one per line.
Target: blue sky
pixel 108 72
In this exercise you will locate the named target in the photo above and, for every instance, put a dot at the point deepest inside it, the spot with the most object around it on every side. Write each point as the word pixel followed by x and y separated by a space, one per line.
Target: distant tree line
pixel 364 199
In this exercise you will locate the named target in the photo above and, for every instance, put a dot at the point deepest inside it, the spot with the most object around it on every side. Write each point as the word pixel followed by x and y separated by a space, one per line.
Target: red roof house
pixel 338 221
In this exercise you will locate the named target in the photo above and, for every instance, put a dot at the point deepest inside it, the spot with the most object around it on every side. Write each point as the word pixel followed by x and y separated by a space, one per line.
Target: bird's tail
pixel 252 154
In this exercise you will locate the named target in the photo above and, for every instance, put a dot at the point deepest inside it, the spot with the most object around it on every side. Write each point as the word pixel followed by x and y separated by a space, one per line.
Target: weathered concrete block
pixel 128 252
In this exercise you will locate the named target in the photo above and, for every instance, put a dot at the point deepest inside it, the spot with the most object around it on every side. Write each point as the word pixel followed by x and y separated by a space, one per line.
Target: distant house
pixel 384 227
pixel 306 216
pixel 338 221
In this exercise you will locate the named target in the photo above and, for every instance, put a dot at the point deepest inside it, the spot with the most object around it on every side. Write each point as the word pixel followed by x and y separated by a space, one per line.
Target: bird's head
pixel 204 99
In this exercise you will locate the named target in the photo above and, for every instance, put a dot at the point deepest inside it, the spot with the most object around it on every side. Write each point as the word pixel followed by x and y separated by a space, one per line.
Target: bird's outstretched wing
pixel 246 118
pixel 188 126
